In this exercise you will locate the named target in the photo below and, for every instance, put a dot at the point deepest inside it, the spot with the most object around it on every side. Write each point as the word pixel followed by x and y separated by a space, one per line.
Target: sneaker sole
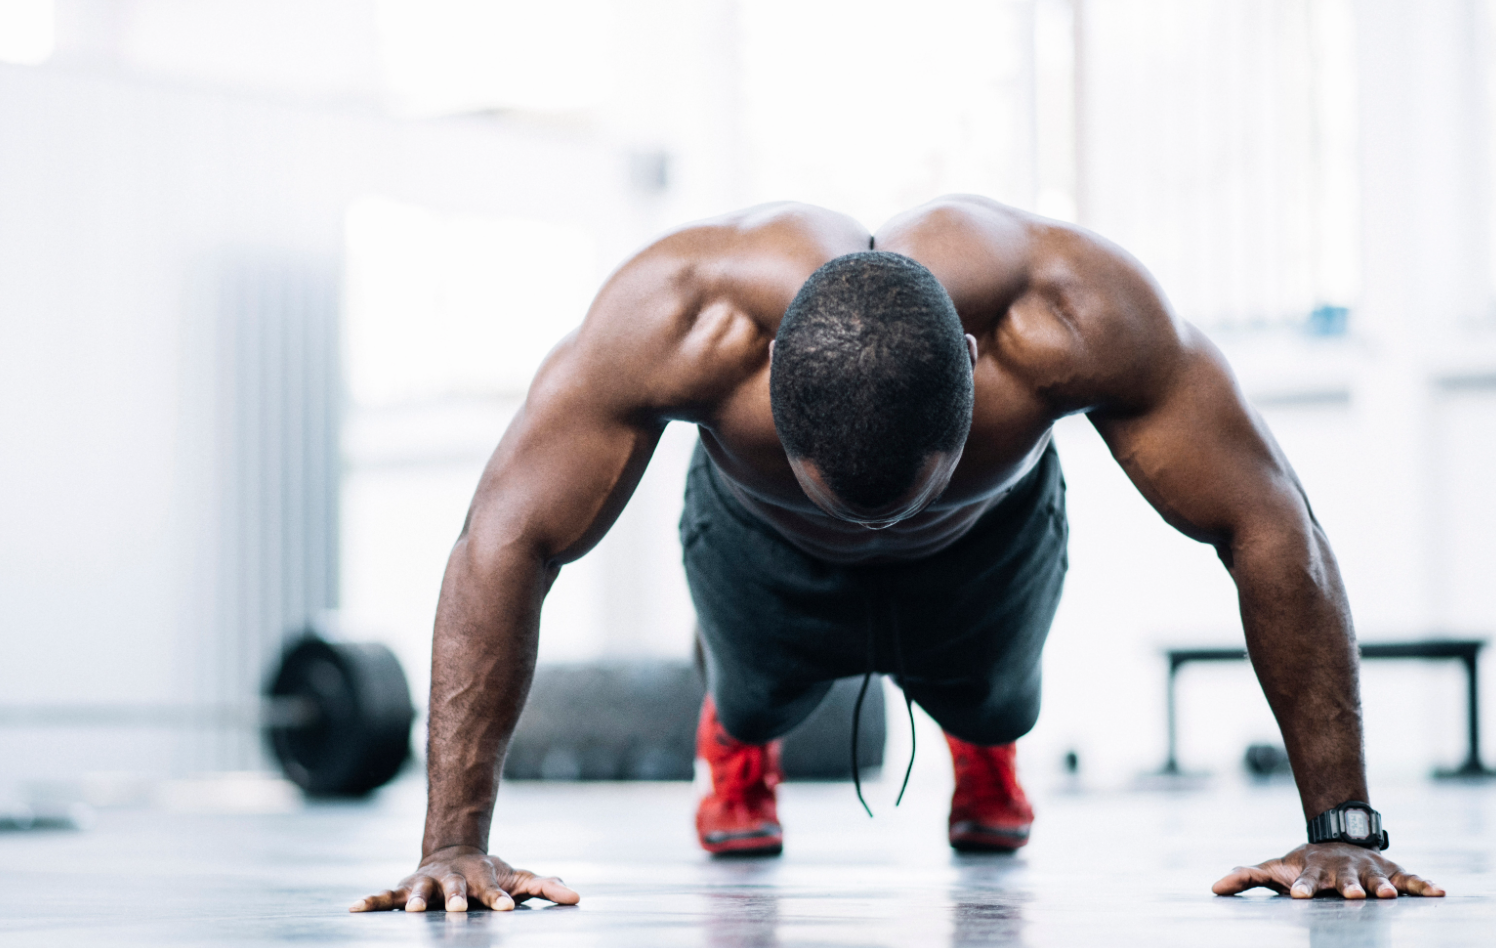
pixel 744 844
pixel 975 838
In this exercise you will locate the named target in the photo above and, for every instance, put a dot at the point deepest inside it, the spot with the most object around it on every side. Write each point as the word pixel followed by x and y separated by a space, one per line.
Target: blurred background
pixel 274 277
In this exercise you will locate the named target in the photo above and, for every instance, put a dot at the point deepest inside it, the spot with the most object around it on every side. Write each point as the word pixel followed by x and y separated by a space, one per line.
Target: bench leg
pixel 1171 765
pixel 1472 766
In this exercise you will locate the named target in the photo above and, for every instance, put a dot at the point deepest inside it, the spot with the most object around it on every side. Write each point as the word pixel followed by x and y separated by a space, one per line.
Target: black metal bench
pixel 1467 651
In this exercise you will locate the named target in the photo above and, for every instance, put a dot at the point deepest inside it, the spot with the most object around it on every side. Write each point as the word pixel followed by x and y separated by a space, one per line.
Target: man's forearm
pixel 483 658
pixel 1299 635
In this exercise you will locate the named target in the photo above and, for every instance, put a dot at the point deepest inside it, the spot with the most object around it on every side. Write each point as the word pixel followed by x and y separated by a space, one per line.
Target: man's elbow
pixel 1286 543
pixel 494 549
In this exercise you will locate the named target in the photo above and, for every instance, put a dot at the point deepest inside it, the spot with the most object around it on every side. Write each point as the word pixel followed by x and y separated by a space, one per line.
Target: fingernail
pixel 457 904
pixel 357 905
pixel 1300 892
pixel 415 905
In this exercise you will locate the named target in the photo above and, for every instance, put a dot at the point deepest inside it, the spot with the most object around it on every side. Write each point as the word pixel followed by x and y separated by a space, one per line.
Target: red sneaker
pixel 739 816
pixel 989 812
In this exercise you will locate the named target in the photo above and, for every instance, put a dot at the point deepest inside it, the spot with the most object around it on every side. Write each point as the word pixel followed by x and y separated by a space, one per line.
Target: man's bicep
pixel 566 466
pixel 574 453
pixel 1201 455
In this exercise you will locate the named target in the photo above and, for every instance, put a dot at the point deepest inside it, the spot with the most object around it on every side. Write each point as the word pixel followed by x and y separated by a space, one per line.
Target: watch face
pixel 1357 824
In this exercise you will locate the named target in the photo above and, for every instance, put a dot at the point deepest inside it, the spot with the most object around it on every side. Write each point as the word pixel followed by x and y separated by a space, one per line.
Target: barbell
pixel 335 715
pixel 345 715
pixel 337 718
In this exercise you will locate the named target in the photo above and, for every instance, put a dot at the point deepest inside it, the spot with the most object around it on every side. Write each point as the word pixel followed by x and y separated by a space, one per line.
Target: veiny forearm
pixel 1299 636
pixel 483 659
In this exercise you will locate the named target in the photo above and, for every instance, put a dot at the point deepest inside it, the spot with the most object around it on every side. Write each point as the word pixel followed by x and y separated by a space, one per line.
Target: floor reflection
pixel 742 919
pixel 474 929
pixel 480 928
pixel 1350 923
pixel 986 902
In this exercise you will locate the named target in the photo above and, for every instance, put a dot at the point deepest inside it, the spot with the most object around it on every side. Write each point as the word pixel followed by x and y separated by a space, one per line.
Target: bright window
pixel 442 305
pixel 27 31
pixel 451 56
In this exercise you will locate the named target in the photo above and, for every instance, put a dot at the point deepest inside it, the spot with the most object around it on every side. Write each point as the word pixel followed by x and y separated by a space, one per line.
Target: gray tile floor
pixel 1103 869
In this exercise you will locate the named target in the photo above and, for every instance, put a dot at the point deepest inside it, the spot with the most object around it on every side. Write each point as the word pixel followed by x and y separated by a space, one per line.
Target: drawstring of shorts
pixel 898 655
pixel 856 721
pixel 867 678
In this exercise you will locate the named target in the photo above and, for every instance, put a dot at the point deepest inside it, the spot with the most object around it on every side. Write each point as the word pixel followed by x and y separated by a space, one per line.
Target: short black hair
pixel 871 375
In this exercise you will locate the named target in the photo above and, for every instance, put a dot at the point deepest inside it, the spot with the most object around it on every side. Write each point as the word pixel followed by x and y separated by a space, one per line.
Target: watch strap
pixel 1329 826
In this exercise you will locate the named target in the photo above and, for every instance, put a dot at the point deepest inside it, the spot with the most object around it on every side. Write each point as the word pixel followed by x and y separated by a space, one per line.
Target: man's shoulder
pixel 1095 325
pixel 690 316
pixel 1070 314
pixel 988 253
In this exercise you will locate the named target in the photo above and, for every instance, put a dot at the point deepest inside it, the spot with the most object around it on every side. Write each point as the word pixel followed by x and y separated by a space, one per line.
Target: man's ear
pixel 971 348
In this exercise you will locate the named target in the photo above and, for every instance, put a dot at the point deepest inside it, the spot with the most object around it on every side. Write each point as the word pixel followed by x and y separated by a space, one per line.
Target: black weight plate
pixel 1265 760
pixel 636 720
pixel 820 747
pixel 608 721
pixel 357 735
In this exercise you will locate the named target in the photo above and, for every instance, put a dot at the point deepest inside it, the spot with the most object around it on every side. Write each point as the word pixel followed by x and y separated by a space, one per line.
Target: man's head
pixel 871 387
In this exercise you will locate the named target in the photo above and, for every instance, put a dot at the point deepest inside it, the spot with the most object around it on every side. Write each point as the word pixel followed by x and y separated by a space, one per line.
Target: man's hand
pixel 458 873
pixel 1328 867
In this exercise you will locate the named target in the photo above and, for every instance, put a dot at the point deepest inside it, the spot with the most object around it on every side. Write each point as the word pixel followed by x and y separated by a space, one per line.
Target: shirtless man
pixel 876 489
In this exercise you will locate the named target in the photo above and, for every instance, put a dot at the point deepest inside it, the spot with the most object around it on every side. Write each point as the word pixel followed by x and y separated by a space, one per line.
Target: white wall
pixel 124 199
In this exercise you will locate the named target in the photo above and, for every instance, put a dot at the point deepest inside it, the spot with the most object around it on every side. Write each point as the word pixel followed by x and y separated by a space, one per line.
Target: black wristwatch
pixel 1354 822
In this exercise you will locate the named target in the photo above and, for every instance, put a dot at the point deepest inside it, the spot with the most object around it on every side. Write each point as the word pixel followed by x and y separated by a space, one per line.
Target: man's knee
pixel 980 715
pixel 758 719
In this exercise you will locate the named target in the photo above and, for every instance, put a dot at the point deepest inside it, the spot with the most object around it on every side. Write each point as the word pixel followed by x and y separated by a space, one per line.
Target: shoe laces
pixel 741 773
pixel 989 768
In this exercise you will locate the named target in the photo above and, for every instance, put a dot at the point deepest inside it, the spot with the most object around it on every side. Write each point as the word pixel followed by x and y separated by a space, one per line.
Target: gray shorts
pixel 961 631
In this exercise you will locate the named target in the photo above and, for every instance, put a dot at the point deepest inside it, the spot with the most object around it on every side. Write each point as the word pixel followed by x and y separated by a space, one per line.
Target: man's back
pixel 1063 323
